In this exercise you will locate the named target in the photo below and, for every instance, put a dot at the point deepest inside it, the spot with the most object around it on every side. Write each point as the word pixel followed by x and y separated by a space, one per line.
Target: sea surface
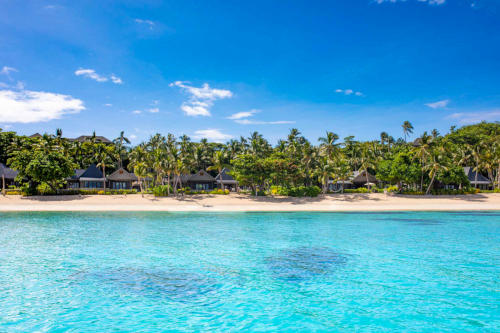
pixel 133 272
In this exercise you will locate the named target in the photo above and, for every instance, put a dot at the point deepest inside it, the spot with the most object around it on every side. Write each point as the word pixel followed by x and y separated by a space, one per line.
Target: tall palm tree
pixel 141 171
pixel 435 164
pixel 119 146
pixel 218 163
pixel 104 155
pixel 366 160
pixel 407 129
pixel 422 150
pixel 328 144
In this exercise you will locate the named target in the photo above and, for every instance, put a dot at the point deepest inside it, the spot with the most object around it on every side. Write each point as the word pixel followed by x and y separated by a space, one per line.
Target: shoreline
pixel 244 203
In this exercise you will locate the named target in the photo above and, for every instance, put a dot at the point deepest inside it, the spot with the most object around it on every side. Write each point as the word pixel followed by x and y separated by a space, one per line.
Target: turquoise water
pixel 250 271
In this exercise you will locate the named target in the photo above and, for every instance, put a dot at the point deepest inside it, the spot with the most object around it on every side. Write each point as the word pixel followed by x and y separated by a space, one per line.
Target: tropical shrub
pixel 162 190
pixel 300 191
pixel 357 190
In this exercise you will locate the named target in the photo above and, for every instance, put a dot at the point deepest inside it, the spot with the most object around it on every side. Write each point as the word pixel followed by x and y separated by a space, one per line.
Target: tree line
pixel 418 164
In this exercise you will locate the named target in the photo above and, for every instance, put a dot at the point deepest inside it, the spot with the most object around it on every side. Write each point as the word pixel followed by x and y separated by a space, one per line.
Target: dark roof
pixel 201 176
pixel 78 174
pixel 360 179
pixel 122 175
pixel 471 174
pixel 98 138
pixel 184 178
pixel 6 172
pixel 225 175
pixel 91 172
pixel 36 135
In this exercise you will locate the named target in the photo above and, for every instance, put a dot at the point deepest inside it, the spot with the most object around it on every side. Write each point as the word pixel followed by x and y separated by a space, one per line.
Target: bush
pixel 392 189
pixel 357 190
pixel 497 190
pixel 220 191
pixel 162 190
pixel 299 191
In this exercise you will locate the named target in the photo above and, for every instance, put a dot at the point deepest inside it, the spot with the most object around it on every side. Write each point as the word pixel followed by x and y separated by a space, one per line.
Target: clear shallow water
pixel 250 271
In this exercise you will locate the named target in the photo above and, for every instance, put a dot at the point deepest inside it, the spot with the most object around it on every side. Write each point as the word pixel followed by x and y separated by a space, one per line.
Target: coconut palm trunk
pixel 475 178
pixel 104 176
pixel 367 180
pixel 432 183
pixel 3 184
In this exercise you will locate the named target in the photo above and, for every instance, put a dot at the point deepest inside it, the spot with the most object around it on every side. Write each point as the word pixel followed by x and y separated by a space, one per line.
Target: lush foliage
pixel 429 163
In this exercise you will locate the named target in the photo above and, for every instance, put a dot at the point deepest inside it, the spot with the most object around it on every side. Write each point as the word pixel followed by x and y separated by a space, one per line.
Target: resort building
pixel 200 181
pixel 121 179
pixel 227 180
pixel 356 180
pixel 90 178
pixel 98 139
pixel 7 176
pixel 478 181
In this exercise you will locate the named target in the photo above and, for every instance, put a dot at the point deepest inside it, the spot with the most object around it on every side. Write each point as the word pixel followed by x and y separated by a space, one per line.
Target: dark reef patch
pixel 171 284
pixel 298 264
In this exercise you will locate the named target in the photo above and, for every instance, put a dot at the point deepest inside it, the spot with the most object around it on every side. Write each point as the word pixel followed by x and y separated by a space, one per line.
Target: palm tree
pixel 435 164
pixel 218 163
pixel 119 146
pixel 141 171
pixel 104 155
pixel 422 151
pixel 366 160
pixel 407 129
pixel 328 144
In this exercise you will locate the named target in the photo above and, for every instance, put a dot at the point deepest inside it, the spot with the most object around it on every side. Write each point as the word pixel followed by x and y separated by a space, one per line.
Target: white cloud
pixel 147 22
pixel 200 99
pixel 240 118
pixel 258 122
pixel 154 110
pixel 36 106
pixel 212 134
pixel 348 92
pixel 6 127
pixel 439 104
pixel 91 74
pixel 108 104
pixel 6 70
pixel 132 136
pixel 136 111
pixel 430 2
pixel 475 117
pixel 155 102
pixel 244 114
pixel 116 79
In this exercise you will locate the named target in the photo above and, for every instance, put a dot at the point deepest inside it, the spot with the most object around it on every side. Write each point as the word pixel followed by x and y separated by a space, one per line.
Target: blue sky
pixel 223 69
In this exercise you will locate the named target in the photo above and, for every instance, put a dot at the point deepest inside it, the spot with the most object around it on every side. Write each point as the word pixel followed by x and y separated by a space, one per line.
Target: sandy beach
pixel 244 203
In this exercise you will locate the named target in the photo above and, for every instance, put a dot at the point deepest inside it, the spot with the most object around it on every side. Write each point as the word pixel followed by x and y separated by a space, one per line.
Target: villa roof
pixel 201 176
pixel 122 175
pixel 471 174
pixel 98 138
pixel 92 172
pixel 36 135
pixel 225 175
pixel 78 174
pixel 360 178
pixel 6 172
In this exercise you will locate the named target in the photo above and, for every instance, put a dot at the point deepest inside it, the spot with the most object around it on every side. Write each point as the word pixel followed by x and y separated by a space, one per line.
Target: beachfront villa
pixel 7 176
pixel 227 180
pixel 90 178
pixel 121 179
pixel 481 182
pixel 356 180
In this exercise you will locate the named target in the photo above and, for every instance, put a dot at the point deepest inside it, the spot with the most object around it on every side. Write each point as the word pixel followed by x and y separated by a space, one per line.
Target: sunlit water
pixel 250 271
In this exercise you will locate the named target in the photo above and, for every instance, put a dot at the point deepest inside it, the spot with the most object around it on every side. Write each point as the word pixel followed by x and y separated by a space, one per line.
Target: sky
pixel 222 69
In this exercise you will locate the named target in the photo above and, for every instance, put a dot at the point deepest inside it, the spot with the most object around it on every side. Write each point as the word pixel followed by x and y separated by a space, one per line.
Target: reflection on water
pixel 175 285
pixel 303 263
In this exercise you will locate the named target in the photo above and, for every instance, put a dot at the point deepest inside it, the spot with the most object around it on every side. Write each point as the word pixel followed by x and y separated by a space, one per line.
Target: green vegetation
pixel 293 167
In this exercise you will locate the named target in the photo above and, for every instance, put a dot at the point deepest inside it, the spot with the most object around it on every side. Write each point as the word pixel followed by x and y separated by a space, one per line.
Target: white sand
pixel 236 202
